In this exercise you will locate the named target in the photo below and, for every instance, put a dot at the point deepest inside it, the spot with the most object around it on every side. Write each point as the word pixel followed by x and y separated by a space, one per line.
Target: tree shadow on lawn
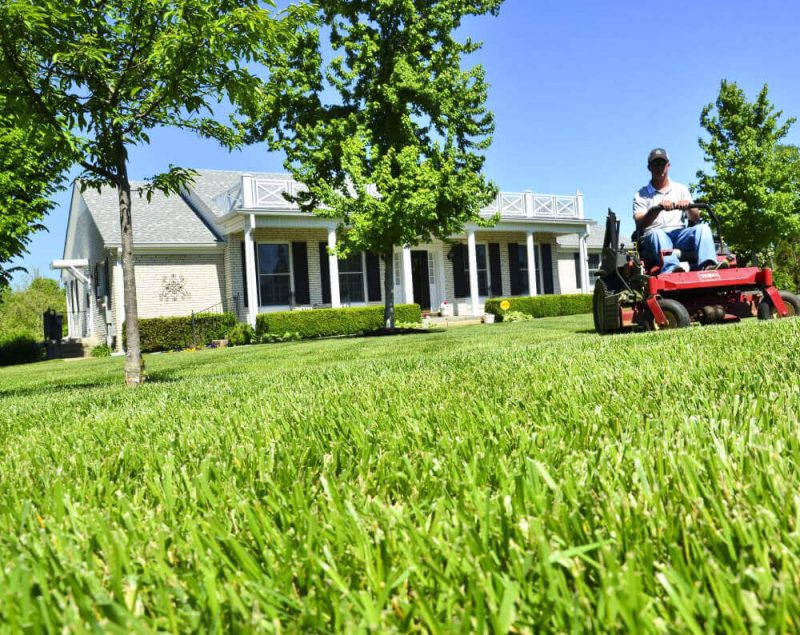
pixel 50 388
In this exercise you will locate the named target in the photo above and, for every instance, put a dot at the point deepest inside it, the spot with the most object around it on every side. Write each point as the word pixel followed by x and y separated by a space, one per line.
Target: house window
pixel 594 265
pixel 431 269
pixel 483 269
pixel 351 278
pixel 522 265
pixel 274 274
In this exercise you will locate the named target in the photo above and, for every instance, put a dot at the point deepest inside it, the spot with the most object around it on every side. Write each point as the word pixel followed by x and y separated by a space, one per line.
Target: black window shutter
pixel 325 274
pixel 513 261
pixel 547 267
pixel 109 278
pixel 302 294
pixel 496 289
pixel 373 277
pixel 460 280
pixel 244 273
pixel 578 271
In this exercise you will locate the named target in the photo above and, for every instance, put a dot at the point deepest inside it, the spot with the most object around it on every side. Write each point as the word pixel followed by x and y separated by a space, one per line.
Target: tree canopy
pixel 389 135
pixel 31 171
pixel 754 180
pixel 100 75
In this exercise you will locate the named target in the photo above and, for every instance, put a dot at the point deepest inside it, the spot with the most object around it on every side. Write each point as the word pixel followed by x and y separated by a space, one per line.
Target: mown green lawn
pixel 514 477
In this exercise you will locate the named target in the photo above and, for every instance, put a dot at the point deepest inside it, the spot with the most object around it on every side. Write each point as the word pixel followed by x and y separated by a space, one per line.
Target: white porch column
pixel 473 272
pixel 92 306
pixel 531 263
pixel 250 273
pixel 119 299
pixel 68 287
pixel 579 204
pixel 408 282
pixel 333 269
pixel 583 256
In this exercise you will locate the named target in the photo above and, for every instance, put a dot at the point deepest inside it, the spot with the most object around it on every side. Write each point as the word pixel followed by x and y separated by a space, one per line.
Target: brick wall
pixel 177 284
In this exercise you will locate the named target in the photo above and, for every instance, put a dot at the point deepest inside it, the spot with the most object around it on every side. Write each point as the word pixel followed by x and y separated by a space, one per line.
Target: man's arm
pixel 644 215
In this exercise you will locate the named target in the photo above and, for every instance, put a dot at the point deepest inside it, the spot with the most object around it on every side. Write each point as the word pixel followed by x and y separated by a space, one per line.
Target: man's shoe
pixel 678 269
pixel 713 266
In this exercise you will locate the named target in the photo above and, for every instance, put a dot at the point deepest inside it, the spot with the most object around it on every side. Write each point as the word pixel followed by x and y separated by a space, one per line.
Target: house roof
pixel 162 220
pixel 594 241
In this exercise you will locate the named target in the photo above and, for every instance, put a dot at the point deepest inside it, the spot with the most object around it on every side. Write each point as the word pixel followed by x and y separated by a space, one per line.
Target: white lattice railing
pixel 529 205
pixel 257 193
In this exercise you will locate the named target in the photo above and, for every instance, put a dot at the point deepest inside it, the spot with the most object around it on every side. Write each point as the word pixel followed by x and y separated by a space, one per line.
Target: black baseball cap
pixel 657 153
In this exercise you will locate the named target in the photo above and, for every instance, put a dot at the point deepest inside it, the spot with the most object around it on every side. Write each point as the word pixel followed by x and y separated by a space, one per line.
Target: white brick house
pixel 232 242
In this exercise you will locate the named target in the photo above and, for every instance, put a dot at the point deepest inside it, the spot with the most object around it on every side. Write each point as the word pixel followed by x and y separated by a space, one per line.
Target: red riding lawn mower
pixel 632 293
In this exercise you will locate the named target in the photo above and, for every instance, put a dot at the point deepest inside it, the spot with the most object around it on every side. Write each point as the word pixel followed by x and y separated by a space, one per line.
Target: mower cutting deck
pixel 632 294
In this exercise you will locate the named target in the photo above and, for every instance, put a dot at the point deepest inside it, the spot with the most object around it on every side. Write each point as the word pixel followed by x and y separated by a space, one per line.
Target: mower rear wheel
pixel 676 314
pixel 599 311
pixel 766 310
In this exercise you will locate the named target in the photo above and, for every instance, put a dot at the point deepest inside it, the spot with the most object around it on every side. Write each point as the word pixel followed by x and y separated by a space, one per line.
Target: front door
pixel 420 278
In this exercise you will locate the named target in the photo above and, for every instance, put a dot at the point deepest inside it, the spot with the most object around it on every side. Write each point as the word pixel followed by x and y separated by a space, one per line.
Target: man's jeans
pixel 692 241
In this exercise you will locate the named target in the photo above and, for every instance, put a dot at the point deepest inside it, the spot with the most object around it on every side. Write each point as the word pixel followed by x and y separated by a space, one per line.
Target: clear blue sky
pixel 581 91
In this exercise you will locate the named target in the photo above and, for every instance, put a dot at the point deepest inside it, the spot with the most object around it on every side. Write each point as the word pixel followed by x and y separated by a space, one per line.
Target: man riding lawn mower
pixel 634 293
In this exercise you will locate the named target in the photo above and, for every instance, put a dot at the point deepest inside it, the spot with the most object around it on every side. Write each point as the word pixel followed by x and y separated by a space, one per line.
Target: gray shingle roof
pixel 595 240
pixel 164 220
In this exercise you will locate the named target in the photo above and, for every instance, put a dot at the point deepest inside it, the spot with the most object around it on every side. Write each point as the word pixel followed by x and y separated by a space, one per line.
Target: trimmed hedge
pixel 543 305
pixel 330 322
pixel 175 333
pixel 20 349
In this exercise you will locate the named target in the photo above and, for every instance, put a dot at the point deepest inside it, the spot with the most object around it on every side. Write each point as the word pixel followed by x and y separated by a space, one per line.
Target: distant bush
pixel 516 316
pixel 330 322
pixel 177 333
pixel 542 305
pixel 101 350
pixel 241 334
pixel 21 309
pixel 273 338
pixel 20 348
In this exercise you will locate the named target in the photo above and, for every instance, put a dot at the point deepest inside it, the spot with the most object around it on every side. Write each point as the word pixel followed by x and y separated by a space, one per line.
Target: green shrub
pixel 241 334
pixel 542 305
pixel 272 338
pixel 102 350
pixel 178 333
pixel 516 316
pixel 20 348
pixel 783 279
pixel 330 322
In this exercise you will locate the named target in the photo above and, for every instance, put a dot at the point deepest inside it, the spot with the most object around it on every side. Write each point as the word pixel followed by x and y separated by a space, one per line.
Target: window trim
pixel 488 268
pixel 364 287
pixel 263 308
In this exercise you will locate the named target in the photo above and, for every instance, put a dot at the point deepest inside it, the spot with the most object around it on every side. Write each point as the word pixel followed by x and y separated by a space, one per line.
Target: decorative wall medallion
pixel 173 288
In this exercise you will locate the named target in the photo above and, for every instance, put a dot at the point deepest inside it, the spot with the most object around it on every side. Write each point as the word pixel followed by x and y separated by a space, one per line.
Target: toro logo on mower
pixel 709 275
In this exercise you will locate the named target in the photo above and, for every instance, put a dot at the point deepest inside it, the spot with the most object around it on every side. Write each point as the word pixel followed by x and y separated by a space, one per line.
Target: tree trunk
pixel 388 289
pixel 134 364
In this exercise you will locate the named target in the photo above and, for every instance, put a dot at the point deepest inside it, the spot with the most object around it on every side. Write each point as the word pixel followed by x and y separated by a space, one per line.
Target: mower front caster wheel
pixel 766 310
pixel 676 314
